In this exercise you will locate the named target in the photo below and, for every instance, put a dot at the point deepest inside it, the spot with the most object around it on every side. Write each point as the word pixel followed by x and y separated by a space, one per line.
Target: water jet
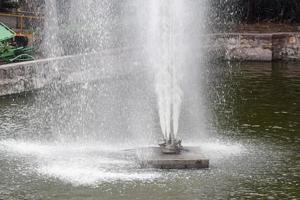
pixel 168 52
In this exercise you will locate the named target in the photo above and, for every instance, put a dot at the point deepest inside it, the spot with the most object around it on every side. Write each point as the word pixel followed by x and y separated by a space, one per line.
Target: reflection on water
pixel 253 146
pixel 259 97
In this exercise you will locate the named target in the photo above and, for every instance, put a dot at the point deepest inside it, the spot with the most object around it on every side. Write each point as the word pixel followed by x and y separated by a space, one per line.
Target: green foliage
pixel 272 10
pixel 287 11
pixel 8 4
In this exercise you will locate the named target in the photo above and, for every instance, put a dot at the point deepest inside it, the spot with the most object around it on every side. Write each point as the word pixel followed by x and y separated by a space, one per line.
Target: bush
pixel 251 11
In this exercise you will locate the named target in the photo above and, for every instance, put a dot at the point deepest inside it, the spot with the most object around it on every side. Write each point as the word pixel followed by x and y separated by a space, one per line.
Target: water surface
pixel 70 144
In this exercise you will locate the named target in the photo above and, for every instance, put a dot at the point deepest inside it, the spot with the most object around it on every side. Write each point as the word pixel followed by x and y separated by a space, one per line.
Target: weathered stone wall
pixel 256 47
pixel 286 46
pixel 28 76
pixel 249 47
pixel 18 78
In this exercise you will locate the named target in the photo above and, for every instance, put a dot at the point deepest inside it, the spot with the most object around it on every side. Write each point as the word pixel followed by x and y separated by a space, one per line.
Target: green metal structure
pixel 10 51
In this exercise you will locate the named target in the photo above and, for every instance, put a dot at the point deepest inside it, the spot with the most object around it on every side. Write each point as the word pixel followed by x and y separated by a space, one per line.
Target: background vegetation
pixel 224 13
pixel 251 11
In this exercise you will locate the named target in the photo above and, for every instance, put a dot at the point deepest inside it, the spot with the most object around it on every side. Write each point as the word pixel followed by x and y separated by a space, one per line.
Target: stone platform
pixel 189 158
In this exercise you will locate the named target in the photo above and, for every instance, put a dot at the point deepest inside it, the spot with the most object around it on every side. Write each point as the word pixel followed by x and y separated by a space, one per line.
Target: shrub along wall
pixel 253 11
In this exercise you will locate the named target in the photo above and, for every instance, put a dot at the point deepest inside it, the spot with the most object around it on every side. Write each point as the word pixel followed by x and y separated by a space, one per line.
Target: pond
pixel 70 142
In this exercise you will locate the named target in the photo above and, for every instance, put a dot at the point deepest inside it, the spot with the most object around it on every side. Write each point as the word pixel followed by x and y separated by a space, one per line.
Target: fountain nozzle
pixel 171 146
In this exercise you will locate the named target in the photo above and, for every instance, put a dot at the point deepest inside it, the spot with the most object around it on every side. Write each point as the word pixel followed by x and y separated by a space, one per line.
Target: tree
pixel 251 11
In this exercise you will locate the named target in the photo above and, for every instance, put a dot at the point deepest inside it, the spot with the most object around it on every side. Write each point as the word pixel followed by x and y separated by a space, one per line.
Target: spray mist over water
pixel 70 126
pixel 51 46
pixel 172 29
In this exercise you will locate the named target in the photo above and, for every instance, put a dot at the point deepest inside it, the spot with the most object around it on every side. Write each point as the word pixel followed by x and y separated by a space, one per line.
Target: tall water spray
pixel 164 39
pixel 174 50
pixel 170 27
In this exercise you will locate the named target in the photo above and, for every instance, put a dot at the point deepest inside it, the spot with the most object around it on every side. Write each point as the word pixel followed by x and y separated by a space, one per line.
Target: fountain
pixel 162 41
pixel 167 48
pixel 167 52
pixel 113 109
pixel 70 139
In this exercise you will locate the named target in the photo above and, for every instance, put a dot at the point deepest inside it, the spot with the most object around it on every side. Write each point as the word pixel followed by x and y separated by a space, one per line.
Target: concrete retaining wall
pixel 16 79
pixel 28 76
pixel 256 47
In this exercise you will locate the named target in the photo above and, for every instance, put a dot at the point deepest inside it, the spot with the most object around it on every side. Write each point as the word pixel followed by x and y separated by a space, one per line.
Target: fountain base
pixel 188 158
pixel 171 147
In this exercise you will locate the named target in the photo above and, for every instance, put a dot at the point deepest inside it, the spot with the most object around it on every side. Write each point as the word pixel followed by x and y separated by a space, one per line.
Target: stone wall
pixel 286 46
pixel 16 79
pixel 28 76
pixel 256 47
pixel 33 75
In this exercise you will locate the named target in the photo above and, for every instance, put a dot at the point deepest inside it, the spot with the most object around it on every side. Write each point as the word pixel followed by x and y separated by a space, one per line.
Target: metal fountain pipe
pixel 171 145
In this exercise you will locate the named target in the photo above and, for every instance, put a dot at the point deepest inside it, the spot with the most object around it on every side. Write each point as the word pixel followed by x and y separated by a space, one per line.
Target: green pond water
pixel 71 145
